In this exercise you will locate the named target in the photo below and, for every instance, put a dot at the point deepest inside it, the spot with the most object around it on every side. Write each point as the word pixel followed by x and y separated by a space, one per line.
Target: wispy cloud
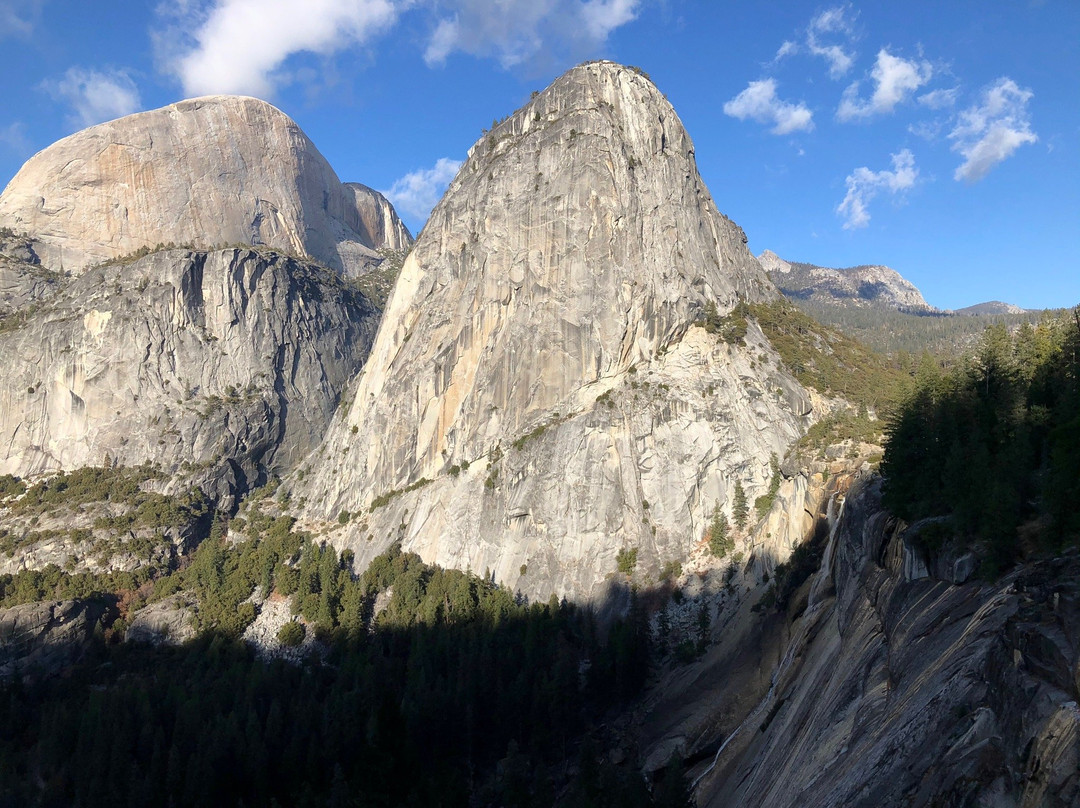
pixel 604 16
pixel 760 103
pixel 417 192
pixel 517 32
pixel 14 139
pixel 788 48
pixel 239 46
pixel 832 24
pixel 18 17
pixel 895 80
pixel 940 99
pixel 863 185
pixel 991 130
pixel 95 95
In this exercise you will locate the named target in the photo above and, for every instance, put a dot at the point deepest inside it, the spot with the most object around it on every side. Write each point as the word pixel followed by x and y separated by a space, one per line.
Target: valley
pixel 571 500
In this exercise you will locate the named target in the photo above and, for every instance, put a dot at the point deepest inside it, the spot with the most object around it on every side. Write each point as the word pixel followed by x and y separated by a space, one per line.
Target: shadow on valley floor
pixel 426 686
pixel 473 698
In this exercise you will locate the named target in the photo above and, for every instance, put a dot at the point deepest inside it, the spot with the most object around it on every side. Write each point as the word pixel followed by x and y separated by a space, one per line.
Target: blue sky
pixel 940 138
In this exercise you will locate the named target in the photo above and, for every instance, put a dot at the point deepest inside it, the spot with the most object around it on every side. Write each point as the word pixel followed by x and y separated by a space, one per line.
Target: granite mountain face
pixel 222 365
pixel 228 362
pixel 539 397
pixel 205 172
pixel 567 385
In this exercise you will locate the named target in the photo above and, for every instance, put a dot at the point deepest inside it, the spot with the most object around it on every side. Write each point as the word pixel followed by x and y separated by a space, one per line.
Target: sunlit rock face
pixel 860 287
pixel 538 380
pixel 204 172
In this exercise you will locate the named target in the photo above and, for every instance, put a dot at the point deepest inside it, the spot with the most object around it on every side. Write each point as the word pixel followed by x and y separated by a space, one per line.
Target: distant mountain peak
pixel 990 307
pixel 873 286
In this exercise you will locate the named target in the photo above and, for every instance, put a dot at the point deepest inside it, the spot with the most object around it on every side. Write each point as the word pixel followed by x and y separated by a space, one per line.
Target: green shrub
pixel 11 486
pixel 626 560
pixel 671 571
pixel 764 503
pixel 291 634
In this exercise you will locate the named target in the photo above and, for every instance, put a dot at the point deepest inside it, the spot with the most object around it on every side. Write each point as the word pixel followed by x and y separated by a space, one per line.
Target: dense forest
pixel 455 693
pixel 992 447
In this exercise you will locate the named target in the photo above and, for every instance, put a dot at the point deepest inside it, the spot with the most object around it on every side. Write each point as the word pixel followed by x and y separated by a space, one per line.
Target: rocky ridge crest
pixel 204 172
pixel 860 286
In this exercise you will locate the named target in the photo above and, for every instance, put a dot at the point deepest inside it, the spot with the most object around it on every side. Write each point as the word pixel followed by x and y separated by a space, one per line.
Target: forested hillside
pixel 890 331
pixel 992 447
pixel 454 693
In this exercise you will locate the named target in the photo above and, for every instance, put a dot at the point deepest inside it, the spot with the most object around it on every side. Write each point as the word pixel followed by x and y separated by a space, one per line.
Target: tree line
pixel 458 693
pixel 992 447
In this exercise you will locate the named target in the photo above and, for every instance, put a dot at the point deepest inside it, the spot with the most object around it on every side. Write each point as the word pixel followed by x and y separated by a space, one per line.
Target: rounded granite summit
pixel 206 171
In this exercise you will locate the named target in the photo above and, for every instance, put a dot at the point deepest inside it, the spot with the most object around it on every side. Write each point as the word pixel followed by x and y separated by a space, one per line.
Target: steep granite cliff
pixel 205 172
pixel 219 365
pixel 538 397
pixel 905 685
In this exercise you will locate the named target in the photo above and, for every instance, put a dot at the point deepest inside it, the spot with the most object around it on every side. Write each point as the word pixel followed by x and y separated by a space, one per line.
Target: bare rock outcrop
pixel 219 365
pixel 205 172
pixel 23 281
pixel 44 638
pixel 897 687
pixel 538 397
pixel 861 286
pixel 169 620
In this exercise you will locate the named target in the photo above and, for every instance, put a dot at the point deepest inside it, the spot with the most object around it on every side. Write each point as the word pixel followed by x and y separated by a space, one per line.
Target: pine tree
pixel 720 542
pixel 740 510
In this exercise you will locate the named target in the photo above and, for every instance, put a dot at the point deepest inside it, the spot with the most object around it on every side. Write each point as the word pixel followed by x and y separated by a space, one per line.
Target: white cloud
pixel 759 102
pixel 864 184
pixel 939 99
pixel 95 95
pixel 830 22
pixel 242 46
pixel 239 46
pixel 18 17
pixel 604 16
pixel 517 32
pixel 417 192
pixel 789 48
pixel 895 79
pixel 992 130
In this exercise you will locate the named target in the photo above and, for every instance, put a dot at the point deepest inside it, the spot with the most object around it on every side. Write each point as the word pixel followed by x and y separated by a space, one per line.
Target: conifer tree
pixel 740 510
pixel 720 542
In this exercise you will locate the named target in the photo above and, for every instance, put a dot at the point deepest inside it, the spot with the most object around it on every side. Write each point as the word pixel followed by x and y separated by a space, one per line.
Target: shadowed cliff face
pixel 898 687
pixel 537 373
pixel 206 172
pixel 222 366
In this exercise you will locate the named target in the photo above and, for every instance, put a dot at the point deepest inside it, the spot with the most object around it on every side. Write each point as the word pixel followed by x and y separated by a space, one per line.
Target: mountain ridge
pixel 537 327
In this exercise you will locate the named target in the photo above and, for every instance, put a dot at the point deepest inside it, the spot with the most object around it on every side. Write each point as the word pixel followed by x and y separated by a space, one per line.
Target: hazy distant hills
pixel 861 286
pixel 880 307
pixel 990 307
